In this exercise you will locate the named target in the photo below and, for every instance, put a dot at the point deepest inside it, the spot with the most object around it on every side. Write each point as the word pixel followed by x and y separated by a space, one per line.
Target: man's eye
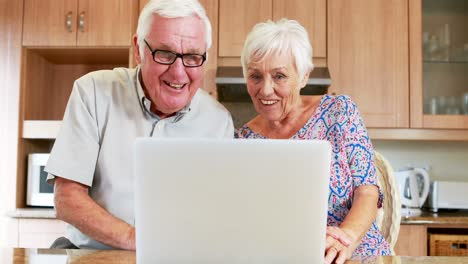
pixel 164 55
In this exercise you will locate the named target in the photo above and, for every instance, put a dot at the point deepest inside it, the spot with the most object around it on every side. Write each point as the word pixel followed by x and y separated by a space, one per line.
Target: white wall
pixel 447 160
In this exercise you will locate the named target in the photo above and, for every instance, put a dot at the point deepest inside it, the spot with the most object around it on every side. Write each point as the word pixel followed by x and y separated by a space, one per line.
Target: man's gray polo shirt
pixel 106 111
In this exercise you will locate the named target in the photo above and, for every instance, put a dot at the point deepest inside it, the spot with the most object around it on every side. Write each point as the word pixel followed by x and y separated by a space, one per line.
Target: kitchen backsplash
pixel 447 161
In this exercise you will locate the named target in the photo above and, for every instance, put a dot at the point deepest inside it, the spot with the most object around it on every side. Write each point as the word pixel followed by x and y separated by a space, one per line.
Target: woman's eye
pixel 255 77
pixel 280 76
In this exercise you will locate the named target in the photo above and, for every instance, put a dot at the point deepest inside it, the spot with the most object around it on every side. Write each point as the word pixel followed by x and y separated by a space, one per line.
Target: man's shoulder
pixel 108 78
pixel 209 116
pixel 205 103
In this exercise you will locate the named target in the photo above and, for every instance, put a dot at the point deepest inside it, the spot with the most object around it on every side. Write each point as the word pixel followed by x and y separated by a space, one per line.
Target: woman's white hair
pixel 277 38
pixel 170 9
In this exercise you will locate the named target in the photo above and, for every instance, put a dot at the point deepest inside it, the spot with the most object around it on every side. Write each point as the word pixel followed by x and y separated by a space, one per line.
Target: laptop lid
pixel 231 200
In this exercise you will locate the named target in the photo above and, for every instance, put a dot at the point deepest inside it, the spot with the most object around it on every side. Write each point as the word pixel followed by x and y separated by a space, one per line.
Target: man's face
pixel 171 87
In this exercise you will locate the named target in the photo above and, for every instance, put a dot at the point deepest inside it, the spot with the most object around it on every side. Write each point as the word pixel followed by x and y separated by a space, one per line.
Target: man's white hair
pixel 170 9
pixel 284 37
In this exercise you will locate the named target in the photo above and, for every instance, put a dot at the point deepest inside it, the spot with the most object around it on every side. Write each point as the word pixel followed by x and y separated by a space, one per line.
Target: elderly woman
pixel 276 61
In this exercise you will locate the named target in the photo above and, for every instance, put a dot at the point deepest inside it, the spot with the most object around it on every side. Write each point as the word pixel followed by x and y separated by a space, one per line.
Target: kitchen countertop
pixel 21 255
pixel 459 217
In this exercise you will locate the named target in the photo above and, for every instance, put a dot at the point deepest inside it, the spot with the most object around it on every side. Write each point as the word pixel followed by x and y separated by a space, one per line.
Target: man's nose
pixel 177 69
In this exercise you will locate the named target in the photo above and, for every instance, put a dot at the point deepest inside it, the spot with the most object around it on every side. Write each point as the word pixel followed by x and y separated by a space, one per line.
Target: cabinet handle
pixel 82 21
pixel 68 22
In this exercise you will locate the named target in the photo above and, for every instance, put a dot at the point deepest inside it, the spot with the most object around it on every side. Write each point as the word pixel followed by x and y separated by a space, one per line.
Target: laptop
pixel 231 200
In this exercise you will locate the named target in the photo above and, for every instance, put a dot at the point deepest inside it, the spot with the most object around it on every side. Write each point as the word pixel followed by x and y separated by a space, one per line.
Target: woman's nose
pixel 267 87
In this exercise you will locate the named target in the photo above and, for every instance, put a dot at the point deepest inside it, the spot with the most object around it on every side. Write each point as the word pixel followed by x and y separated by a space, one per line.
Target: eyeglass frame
pixel 177 55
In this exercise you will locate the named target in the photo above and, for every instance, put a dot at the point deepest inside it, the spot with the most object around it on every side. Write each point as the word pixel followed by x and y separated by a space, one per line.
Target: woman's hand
pixel 338 234
pixel 337 247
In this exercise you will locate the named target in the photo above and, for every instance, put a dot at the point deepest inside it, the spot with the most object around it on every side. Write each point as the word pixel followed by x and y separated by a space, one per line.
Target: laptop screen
pixel 231 200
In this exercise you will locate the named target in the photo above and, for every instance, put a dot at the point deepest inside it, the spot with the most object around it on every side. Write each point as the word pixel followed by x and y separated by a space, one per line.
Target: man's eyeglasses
pixel 168 57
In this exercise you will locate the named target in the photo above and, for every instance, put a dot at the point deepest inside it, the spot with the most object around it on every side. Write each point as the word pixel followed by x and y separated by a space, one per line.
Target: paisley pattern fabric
pixel 338 121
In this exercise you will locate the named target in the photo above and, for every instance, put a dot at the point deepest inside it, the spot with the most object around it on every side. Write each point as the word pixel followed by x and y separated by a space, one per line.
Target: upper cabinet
pixel 439 64
pixel 79 22
pixel 236 19
pixel 405 64
pixel 368 58
pixel 312 15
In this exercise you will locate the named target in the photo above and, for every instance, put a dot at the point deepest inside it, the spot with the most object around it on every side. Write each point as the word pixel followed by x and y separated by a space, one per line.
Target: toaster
pixel 448 195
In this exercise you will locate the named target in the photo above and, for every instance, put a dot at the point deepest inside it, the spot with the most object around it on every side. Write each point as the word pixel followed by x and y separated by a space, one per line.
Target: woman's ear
pixel 305 79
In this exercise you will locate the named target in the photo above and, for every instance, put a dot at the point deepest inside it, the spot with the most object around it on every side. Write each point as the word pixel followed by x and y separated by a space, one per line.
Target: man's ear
pixel 136 49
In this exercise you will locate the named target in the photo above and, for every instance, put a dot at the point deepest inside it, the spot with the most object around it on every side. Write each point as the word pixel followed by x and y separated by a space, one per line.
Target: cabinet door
pixel 210 66
pixel 311 14
pixel 45 22
pixel 439 64
pixel 236 19
pixel 106 22
pixel 412 241
pixel 368 58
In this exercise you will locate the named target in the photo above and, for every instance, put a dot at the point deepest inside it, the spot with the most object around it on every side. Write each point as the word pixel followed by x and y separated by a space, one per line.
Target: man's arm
pixel 74 206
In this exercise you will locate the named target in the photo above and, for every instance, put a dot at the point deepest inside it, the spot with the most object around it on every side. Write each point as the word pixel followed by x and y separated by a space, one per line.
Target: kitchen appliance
pixel 39 192
pixel 448 195
pixel 414 187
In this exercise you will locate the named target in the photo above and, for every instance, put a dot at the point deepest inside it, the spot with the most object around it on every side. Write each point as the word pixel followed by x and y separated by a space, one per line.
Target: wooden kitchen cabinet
pixel 47 79
pixel 79 22
pixel 312 15
pixel 394 59
pixel 53 57
pixel 439 64
pixel 368 58
pixel 236 19
pixel 412 241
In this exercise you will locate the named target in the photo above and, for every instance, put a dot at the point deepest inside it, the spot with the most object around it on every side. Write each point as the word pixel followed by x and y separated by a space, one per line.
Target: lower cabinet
pixel 432 240
pixel 412 241
pixel 39 233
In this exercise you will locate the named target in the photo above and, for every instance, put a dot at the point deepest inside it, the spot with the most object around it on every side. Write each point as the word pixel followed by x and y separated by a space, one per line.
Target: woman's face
pixel 274 86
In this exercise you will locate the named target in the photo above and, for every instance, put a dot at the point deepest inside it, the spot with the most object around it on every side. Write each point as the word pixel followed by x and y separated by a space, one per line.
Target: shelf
pixel 446 62
pixel 415 134
pixel 47 213
pixel 84 55
pixel 41 129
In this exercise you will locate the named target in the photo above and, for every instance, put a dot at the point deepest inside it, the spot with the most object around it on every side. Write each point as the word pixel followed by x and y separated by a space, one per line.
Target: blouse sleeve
pixel 359 150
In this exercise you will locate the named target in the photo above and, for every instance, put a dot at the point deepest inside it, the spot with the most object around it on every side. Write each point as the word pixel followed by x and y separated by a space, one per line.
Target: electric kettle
pixel 414 188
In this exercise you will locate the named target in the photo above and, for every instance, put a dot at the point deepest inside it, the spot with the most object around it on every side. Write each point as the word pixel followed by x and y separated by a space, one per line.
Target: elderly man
pixel 91 161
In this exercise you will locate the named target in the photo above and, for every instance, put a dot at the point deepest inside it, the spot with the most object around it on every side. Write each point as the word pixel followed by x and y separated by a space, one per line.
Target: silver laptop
pixel 231 201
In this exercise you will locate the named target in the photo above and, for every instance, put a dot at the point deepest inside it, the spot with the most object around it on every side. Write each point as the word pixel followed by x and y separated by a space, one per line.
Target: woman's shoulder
pixel 245 132
pixel 250 129
pixel 338 104
pixel 338 100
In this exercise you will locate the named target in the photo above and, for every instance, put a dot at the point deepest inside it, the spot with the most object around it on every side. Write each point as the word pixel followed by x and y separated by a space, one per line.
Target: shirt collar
pixel 145 103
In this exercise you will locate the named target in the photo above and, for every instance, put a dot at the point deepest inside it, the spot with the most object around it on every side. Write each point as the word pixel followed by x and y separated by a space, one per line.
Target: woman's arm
pixel 365 200
pixel 355 225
